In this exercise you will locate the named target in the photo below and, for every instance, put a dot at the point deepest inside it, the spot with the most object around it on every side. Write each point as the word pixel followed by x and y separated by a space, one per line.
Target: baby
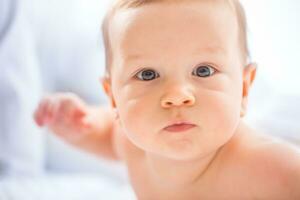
pixel 178 79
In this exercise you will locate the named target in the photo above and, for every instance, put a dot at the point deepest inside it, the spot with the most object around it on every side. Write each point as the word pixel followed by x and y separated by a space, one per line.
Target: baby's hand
pixel 65 114
pixel 87 127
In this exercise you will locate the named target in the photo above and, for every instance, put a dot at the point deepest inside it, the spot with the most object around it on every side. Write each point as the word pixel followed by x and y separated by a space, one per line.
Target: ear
pixel 249 74
pixel 106 84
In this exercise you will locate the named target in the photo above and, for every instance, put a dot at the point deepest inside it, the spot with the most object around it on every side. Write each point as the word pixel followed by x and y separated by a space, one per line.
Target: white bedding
pixel 65 187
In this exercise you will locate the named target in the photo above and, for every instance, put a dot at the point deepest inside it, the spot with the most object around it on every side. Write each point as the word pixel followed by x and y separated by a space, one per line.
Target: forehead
pixel 208 26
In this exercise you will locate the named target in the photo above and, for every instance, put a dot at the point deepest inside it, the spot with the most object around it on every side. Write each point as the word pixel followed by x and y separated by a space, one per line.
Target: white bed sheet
pixel 65 187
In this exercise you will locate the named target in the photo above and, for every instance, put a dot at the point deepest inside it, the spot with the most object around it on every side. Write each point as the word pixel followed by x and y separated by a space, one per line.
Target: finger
pixel 73 108
pixel 36 117
pixel 50 110
pixel 60 114
pixel 47 113
pixel 53 112
pixel 64 112
pixel 39 114
pixel 78 106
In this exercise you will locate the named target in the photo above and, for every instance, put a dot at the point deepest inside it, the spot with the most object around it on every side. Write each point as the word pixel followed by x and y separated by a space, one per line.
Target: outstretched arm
pixel 87 127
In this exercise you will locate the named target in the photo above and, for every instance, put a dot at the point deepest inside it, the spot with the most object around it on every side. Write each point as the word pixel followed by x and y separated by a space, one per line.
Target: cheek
pixel 137 101
pixel 226 101
pixel 220 107
pixel 138 112
pixel 222 113
pixel 218 120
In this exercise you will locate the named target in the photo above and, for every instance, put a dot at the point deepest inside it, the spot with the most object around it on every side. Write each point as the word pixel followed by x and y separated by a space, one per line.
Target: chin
pixel 183 152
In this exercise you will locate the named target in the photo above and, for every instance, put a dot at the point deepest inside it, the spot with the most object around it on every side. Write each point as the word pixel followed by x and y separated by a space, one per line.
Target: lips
pixel 179 127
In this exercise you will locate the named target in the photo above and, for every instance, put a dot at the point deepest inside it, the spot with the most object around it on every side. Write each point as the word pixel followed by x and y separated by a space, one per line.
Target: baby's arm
pixel 86 127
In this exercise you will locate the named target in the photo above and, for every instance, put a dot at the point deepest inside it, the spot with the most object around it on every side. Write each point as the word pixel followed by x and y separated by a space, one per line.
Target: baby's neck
pixel 174 174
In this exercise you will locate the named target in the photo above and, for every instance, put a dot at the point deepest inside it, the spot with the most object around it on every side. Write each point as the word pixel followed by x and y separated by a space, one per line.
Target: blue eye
pixel 204 71
pixel 147 75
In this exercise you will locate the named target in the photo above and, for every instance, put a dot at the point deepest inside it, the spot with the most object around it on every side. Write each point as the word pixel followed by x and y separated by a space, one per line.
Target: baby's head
pixel 177 61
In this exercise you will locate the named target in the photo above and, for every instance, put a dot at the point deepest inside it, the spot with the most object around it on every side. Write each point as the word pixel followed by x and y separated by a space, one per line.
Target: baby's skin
pixel 178 91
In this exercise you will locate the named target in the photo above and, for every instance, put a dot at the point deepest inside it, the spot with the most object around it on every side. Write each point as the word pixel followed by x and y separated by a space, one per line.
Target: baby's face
pixel 177 63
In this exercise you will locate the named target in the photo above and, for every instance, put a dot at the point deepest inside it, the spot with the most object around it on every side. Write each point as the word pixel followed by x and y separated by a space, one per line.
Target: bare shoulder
pixel 275 164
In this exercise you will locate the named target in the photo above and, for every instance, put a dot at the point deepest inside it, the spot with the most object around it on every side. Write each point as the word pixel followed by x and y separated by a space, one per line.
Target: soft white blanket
pixel 65 187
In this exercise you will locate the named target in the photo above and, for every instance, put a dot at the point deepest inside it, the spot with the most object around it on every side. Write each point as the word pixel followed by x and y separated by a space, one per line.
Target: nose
pixel 177 98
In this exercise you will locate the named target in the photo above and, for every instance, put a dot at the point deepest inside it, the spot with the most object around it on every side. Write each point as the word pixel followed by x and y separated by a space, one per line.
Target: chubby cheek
pixel 221 116
pixel 139 116
pixel 222 113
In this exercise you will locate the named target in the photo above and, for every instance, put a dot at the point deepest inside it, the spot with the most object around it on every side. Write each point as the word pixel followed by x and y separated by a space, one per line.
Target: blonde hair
pixel 125 4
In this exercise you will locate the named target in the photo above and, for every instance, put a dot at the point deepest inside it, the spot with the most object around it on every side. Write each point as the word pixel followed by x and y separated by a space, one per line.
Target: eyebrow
pixel 133 56
pixel 212 49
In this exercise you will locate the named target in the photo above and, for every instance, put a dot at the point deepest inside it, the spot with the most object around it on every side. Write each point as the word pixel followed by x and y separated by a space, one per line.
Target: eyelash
pixel 212 70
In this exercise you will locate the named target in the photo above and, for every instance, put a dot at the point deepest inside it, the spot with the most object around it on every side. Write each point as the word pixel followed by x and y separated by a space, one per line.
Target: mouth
pixel 179 127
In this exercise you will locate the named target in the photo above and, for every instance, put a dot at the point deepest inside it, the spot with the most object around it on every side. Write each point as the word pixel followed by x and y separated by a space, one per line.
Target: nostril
pixel 168 103
pixel 178 101
pixel 186 101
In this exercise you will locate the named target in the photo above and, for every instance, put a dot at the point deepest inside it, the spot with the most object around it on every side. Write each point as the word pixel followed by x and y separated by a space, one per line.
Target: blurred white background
pixel 274 30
